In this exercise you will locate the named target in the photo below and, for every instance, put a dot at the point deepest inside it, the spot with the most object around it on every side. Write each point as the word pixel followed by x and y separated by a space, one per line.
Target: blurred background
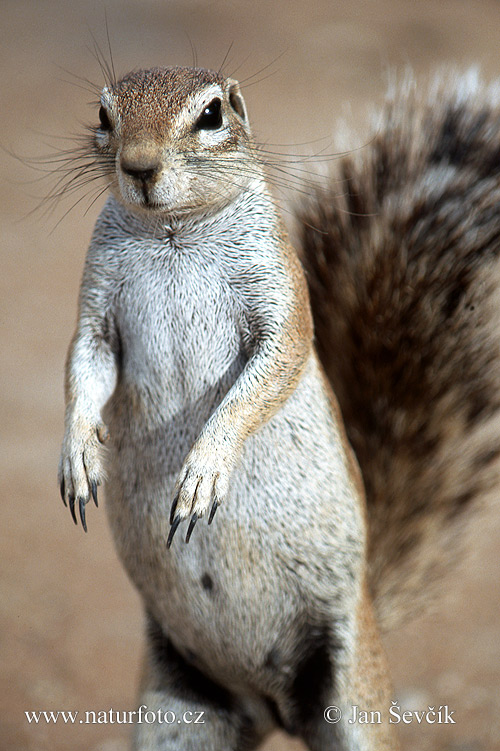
pixel 70 622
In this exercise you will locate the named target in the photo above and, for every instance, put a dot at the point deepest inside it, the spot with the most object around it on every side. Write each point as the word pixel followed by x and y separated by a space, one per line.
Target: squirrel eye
pixel 104 119
pixel 211 117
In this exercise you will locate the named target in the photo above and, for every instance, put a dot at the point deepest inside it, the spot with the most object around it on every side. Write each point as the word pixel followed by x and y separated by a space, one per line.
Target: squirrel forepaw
pixel 202 486
pixel 80 471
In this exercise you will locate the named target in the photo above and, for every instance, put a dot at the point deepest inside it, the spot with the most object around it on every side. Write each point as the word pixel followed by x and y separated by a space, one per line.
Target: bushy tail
pixel 402 253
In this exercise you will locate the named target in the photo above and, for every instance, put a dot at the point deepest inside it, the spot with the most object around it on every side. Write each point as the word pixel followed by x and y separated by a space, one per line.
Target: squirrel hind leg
pixel 335 666
pixel 343 693
pixel 181 708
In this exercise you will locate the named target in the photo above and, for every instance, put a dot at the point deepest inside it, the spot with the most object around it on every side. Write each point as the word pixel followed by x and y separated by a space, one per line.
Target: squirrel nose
pixel 139 169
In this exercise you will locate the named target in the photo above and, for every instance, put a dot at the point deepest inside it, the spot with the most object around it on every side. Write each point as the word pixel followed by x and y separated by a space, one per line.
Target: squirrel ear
pixel 236 100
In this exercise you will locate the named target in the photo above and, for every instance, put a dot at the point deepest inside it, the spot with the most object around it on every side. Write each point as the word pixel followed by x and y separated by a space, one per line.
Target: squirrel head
pixel 175 141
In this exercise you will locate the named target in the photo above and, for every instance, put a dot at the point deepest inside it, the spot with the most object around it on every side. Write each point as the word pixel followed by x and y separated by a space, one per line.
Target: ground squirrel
pixel 193 362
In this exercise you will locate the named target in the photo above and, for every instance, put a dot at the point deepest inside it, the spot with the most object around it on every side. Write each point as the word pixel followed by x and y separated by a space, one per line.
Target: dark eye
pixel 104 119
pixel 211 117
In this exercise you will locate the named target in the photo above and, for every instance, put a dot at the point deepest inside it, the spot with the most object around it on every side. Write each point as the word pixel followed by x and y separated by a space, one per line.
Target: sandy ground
pixel 70 621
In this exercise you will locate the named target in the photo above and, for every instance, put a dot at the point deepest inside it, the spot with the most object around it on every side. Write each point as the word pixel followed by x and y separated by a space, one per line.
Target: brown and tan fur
pixel 405 285
pixel 194 360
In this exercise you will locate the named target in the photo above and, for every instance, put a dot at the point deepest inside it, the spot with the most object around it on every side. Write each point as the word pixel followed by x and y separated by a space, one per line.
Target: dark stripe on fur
pixel 190 683
pixel 314 677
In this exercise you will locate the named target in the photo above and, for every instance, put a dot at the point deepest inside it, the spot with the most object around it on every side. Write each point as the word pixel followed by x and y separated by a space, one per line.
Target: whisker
pixel 258 80
pixel 244 81
pixel 76 203
pixel 99 194
pixel 109 48
pixel 72 170
pixel 319 156
pixel 85 83
pixel 194 54
pixel 107 68
pixel 284 177
pixel 235 70
pixel 244 187
pixel 225 58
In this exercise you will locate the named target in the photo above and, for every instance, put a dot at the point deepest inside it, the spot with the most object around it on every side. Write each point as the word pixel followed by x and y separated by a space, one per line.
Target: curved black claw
pixel 62 490
pixel 174 508
pixel 173 530
pixel 214 508
pixel 192 525
pixel 93 490
pixel 81 505
pixel 71 499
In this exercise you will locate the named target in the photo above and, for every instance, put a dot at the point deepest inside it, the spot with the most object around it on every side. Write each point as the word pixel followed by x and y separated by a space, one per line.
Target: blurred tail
pixel 402 253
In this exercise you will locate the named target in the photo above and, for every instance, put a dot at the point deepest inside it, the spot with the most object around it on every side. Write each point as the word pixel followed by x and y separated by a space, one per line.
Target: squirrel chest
pixel 180 335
